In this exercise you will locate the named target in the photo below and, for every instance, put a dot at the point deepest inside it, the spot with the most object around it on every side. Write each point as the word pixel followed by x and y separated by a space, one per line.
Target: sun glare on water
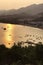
pixel 13 33
pixel 8 36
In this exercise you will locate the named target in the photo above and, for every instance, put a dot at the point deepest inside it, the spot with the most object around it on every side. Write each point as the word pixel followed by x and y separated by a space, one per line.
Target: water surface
pixel 10 33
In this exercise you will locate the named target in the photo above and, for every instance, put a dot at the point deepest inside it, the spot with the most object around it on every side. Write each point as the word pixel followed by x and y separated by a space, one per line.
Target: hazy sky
pixel 15 4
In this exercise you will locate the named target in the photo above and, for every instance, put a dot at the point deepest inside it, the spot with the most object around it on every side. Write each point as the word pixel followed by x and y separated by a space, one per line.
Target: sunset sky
pixel 15 4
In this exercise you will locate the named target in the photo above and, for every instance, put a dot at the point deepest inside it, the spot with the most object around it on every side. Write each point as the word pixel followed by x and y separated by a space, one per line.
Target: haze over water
pixel 10 33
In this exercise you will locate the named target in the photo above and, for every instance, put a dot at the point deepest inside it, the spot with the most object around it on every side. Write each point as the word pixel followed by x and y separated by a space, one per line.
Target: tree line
pixel 18 55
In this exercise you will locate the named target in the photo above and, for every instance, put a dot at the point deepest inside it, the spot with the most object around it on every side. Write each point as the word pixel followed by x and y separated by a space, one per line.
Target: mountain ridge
pixel 30 10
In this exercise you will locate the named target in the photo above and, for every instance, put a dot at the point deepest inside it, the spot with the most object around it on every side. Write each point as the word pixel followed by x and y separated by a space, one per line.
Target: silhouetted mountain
pixel 24 16
pixel 38 17
pixel 29 10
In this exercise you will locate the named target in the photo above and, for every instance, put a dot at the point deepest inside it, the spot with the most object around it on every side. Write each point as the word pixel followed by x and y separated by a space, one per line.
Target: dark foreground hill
pixel 18 55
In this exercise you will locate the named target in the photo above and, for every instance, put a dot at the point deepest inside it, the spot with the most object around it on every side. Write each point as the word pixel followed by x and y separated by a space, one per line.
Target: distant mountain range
pixel 31 15
pixel 29 10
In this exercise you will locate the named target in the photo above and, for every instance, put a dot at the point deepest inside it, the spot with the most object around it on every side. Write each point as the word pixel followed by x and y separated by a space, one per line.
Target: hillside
pixel 31 15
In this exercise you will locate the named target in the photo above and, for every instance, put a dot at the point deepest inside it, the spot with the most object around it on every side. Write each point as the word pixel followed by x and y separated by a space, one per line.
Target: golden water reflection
pixel 10 33
pixel 8 36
